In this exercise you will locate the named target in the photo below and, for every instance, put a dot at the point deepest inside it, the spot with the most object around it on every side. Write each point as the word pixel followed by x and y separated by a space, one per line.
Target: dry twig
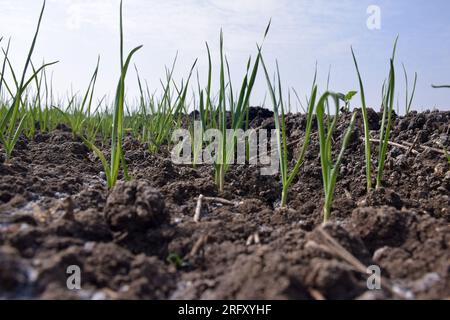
pixel 338 250
pixel 398 145
pixel 202 199
pixel 198 208
pixel 199 245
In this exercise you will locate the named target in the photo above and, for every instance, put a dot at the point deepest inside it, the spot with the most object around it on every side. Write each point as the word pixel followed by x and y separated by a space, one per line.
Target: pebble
pixel 439 170
pixel 89 246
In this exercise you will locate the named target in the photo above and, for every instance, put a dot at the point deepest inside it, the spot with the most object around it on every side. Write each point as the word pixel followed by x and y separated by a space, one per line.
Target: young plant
pixel 280 126
pixel 330 171
pixel 34 108
pixel 9 129
pixel 366 128
pixel 386 121
pixel 347 98
pixel 409 100
pixel 94 122
pixel 117 156
pixel 387 106
pixel 238 112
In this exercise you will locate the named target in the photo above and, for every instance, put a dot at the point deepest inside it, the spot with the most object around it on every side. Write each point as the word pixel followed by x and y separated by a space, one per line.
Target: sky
pixel 302 33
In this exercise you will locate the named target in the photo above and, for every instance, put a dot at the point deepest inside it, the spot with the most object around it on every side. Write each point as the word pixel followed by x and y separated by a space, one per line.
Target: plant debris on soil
pixel 140 240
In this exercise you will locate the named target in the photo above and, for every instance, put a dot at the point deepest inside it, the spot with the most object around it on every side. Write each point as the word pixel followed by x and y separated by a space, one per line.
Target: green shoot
pixel 287 178
pixel 117 156
pixel 330 171
pixel 238 111
pixel 409 100
pixel 299 101
pixel 9 132
pixel 347 98
pixel 222 156
pixel 386 125
pixel 386 121
pixel 366 128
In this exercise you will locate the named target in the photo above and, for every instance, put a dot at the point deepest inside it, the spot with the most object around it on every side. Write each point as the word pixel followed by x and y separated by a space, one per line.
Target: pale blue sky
pixel 303 31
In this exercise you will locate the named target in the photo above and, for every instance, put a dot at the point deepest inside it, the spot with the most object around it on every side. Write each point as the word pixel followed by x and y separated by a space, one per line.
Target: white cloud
pixel 99 13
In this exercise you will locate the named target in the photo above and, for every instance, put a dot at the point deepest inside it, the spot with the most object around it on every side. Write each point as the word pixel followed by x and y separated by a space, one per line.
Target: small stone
pixel 89 246
pixel 439 170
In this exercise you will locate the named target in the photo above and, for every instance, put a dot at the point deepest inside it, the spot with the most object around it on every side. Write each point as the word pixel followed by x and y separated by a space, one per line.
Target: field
pixel 355 191
pixel 140 240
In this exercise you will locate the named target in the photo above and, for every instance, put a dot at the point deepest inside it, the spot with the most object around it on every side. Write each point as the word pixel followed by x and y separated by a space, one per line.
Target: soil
pixel 140 241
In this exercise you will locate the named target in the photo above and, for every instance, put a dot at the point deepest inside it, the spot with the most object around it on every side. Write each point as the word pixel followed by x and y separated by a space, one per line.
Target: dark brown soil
pixel 139 240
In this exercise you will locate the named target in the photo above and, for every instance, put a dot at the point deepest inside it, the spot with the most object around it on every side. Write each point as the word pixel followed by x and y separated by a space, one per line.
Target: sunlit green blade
pixel 366 128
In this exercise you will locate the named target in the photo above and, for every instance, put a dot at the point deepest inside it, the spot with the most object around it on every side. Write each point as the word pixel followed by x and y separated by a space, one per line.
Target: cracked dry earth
pixel 140 241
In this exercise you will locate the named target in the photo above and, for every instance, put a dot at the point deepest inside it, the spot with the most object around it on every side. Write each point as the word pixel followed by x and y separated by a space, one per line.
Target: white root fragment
pixel 398 145
pixel 202 199
pixel 219 200
pixel 256 238
pixel 249 240
pixel 198 208
pixel 199 245
pixel 316 294
pixel 441 151
pixel 253 239
pixel 409 147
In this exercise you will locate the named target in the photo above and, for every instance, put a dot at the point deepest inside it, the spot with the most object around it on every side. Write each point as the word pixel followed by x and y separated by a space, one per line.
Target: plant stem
pixel 326 210
pixel 284 196
pixel 384 137
pixel 366 129
pixel 221 178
